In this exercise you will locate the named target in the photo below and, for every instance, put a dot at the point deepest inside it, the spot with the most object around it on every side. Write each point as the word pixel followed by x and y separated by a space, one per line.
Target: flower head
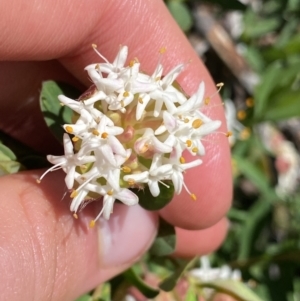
pixel 131 131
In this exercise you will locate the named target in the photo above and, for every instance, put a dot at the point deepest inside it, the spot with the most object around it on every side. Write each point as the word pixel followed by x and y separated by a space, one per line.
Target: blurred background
pixel 253 46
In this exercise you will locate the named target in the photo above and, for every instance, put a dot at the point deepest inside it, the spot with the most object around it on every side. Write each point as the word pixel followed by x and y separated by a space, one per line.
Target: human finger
pixel 46 254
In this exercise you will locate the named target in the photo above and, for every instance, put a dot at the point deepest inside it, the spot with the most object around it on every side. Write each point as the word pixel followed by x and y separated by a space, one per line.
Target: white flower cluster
pixel 131 130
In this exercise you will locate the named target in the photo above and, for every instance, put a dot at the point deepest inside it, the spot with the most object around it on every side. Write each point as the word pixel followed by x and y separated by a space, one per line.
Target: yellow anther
pixel 62 104
pixel 75 215
pixel 228 134
pixel 207 100
pixel 197 123
pixel 75 139
pixel 74 194
pixel 157 78
pixel 131 63
pixel 193 196
pixel 126 169
pixel 95 132
pixel 144 148
pixel 186 120
pixel 219 85
pixel 162 50
pixel 245 134
pixel 241 114
pixel 131 182
pixel 188 143
pixel 182 160
pixel 140 100
pixel 110 192
pixel 38 181
pixel 94 46
pixel 104 135
pixel 195 149
pixel 126 94
pixel 92 224
pixel 249 102
pixel 122 103
pixel 69 129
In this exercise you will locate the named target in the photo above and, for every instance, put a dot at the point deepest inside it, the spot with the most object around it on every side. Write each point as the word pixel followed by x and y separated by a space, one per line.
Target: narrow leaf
pixel 170 282
pixel 165 240
pixel 140 284
pixel 234 288
pixel 56 115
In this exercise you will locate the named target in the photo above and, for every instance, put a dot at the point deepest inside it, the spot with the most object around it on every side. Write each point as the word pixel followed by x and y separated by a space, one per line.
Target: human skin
pixel 45 254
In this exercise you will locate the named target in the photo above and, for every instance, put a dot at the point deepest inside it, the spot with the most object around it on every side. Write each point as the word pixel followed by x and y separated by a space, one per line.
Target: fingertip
pixel 200 242
pixel 46 254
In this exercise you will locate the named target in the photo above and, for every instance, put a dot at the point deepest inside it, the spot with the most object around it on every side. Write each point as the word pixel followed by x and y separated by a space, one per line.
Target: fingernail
pixel 126 235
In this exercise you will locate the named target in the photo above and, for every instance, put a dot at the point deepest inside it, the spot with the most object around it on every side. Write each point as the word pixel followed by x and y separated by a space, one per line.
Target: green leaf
pixel 269 81
pixel 191 294
pixel 8 163
pixel 56 115
pixel 141 285
pixel 165 241
pixel 234 288
pixel 285 104
pixel 262 27
pixel 255 175
pixel 181 14
pixel 257 214
pixel 149 202
pixel 170 282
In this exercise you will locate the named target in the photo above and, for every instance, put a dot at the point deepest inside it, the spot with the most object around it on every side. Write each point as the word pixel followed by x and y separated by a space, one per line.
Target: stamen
pixel 245 134
pixel 131 63
pixel 181 160
pixel 74 194
pixel 110 192
pixel 208 98
pixel 188 143
pixel 95 49
pixel 69 129
pixel 163 183
pixel 75 139
pixel 126 169
pixel 193 196
pixel 104 135
pixel 162 50
pixel 197 123
pixel 228 134
pixel 140 100
pixel 95 132
pixel 195 149
pixel 126 94
pixel 92 223
pixel 249 102
pixel 75 215
pixel 131 182
pixel 186 120
pixel 54 167
pixel 241 114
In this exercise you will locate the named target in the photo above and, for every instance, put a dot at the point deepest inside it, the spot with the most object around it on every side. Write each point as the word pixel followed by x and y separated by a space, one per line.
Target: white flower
pixel 156 174
pixel 131 130
pixel 207 273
